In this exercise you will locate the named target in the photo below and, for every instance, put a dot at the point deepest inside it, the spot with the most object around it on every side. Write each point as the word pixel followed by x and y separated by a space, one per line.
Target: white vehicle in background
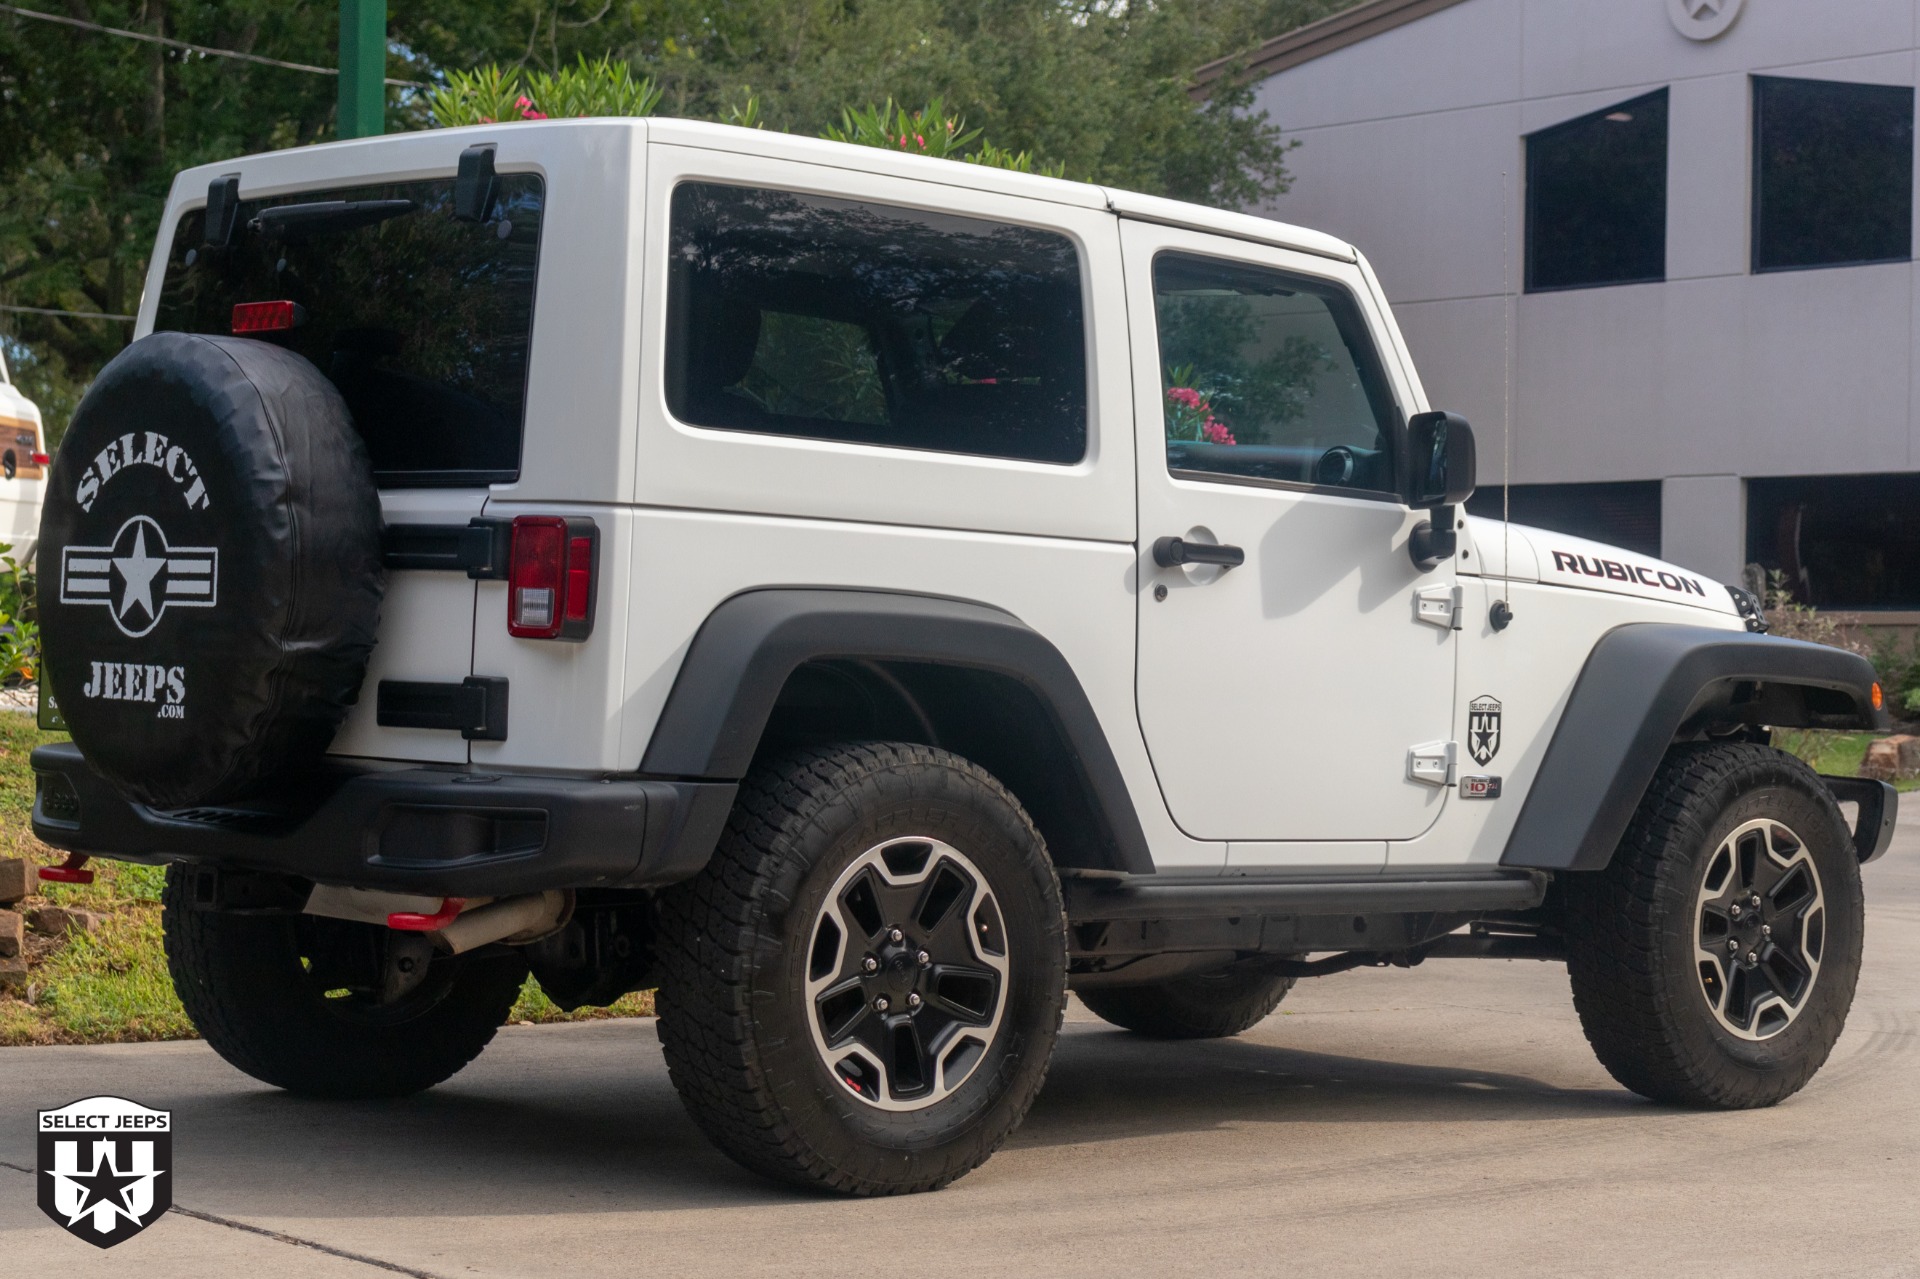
pixel 23 460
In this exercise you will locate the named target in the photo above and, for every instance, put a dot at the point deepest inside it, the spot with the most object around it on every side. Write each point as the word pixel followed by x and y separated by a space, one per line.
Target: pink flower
pixel 922 141
pixel 1184 395
pixel 523 102
pixel 1216 433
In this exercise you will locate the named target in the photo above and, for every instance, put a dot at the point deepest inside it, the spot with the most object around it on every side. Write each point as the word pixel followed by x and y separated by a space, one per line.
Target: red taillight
pixel 267 317
pixel 41 459
pixel 550 578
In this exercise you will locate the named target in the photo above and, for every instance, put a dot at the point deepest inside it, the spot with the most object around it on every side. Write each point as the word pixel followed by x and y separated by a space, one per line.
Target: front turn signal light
pixel 1879 698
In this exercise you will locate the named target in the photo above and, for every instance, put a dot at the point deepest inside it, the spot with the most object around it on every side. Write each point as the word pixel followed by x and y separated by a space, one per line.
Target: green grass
pixel 1836 754
pixel 112 985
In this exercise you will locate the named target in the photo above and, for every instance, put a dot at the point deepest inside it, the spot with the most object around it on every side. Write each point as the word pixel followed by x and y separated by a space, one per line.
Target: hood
pixel 1557 559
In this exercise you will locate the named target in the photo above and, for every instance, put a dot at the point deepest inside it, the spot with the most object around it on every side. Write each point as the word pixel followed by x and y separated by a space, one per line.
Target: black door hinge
pixel 480 548
pixel 476 707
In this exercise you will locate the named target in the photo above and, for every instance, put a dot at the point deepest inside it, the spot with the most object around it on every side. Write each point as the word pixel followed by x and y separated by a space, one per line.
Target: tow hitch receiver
pixel 70 871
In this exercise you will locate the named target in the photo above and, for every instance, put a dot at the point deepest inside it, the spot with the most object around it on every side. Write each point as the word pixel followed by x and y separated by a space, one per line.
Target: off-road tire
pixel 1630 933
pixel 244 985
pixel 734 952
pixel 1204 1006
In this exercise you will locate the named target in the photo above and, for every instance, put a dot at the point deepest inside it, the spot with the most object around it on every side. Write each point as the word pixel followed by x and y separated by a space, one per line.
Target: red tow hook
pixel 70 871
pixel 407 921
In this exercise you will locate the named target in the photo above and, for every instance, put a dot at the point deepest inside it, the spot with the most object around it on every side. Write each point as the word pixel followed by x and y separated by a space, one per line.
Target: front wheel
pixel 862 990
pixel 1713 962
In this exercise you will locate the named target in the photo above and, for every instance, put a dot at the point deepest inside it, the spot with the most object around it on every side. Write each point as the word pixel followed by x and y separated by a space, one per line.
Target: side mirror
pixel 1440 475
pixel 1440 460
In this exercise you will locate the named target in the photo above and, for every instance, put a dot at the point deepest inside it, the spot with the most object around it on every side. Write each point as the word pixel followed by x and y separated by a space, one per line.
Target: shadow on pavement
pixel 585 1121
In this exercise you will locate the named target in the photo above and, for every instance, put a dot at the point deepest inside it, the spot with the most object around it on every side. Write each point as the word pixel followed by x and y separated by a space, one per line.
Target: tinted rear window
pixel 424 323
pixel 838 319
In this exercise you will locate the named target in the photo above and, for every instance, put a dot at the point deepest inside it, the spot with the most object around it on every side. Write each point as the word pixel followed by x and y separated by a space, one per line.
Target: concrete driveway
pixel 1444 1121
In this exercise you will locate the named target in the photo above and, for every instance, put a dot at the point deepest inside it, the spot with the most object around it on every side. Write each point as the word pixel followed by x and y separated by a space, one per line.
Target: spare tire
pixel 210 568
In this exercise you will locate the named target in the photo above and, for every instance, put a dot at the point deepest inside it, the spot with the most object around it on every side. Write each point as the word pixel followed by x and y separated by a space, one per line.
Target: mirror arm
pixel 1433 540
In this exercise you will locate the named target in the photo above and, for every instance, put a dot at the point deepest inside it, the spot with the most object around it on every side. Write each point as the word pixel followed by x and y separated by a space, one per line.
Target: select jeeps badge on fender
pixel 106 1168
pixel 1483 729
pixel 139 577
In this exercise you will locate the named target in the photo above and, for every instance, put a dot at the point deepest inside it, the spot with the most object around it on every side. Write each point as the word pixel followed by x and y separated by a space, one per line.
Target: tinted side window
pixel 1597 197
pixel 835 319
pixel 1270 376
pixel 425 324
pixel 1833 173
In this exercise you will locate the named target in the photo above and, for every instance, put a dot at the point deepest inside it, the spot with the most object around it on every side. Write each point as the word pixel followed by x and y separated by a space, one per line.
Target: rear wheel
pixel 1714 961
pixel 330 1008
pixel 862 990
pixel 1206 1006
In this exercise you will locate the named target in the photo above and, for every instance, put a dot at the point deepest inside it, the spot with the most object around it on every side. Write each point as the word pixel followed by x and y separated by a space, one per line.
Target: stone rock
pixel 17 879
pixel 13 973
pixel 60 921
pixel 13 934
pixel 1891 758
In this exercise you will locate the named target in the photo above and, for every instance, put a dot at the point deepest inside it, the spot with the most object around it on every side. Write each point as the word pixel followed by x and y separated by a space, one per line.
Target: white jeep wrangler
pixel 865 597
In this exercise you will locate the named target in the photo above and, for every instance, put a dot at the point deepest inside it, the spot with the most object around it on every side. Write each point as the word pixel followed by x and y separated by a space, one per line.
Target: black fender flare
pixel 1646 685
pixel 744 652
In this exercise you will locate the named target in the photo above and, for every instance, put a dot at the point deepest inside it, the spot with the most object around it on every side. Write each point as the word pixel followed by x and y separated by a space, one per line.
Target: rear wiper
pixel 323 217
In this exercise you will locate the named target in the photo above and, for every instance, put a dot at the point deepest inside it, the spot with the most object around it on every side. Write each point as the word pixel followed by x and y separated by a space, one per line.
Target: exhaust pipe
pixel 514 920
pixel 469 923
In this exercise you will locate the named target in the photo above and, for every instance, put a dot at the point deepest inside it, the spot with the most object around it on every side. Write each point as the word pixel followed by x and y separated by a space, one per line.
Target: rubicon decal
pixel 139 577
pixel 1483 729
pixel 106 1168
pixel 142 448
pixel 1617 571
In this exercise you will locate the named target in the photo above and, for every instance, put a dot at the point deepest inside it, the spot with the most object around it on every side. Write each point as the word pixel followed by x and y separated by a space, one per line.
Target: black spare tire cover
pixel 210 575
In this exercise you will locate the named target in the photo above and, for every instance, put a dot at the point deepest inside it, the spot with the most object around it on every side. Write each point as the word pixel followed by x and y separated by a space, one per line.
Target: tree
pixel 96 125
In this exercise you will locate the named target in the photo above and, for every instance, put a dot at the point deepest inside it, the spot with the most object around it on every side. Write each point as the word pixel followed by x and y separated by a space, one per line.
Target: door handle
pixel 1171 552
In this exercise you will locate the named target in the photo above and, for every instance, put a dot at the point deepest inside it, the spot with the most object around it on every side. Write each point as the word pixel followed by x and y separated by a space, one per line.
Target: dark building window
pixel 1839 541
pixel 1626 515
pixel 1832 173
pixel 1597 198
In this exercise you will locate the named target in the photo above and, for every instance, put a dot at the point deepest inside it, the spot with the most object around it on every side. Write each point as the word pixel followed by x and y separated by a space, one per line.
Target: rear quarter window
pixel 835 319
pixel 424 323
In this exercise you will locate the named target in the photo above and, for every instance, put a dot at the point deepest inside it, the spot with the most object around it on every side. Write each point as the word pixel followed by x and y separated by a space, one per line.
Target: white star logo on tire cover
pixel 139 576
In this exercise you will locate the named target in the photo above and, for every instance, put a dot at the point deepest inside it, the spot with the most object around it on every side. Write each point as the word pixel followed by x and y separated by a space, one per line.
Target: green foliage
pixel 494 94
pixel 98 125
pixel 929 131
pixel 481 96
pixel 743 113
pixel 19 624
pixel 1018 161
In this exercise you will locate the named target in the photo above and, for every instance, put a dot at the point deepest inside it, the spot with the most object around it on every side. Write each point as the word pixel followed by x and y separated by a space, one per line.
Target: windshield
pixel 423 322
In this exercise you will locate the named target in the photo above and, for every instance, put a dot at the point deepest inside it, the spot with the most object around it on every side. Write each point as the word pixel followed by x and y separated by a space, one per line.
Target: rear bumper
pixel 421 830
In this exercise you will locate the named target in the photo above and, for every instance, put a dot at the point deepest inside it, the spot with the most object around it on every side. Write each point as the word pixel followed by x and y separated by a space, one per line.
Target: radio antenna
pixel 1504 613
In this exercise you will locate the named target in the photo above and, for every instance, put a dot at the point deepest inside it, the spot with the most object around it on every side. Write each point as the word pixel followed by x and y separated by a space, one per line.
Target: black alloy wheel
pixel 1761 929
pixel 907 973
